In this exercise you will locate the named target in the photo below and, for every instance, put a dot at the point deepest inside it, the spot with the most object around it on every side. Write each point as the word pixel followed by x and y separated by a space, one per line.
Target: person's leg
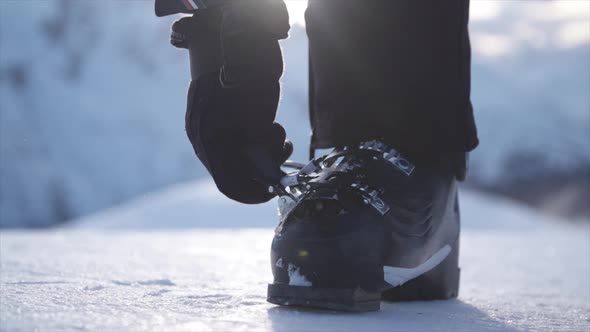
pixel 378 217
pixel 395 70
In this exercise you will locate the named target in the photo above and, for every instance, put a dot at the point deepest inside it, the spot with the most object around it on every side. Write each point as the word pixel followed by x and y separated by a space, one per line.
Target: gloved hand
pixel 182 30
pixel 233 133
pixel 232 101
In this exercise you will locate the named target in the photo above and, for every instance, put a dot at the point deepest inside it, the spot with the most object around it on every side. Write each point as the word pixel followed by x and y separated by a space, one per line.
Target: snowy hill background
pixel 92 106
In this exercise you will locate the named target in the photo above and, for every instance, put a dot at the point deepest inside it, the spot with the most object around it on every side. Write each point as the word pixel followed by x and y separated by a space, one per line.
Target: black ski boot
pixel 363 224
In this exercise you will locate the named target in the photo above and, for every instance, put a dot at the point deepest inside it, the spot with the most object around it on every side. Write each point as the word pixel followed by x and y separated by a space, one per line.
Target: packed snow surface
pixel 142 267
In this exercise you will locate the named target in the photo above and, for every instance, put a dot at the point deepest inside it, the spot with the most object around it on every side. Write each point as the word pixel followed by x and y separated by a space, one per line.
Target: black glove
pixel 250 31
pixel 233 134
pixel 232 101
pixel 179 36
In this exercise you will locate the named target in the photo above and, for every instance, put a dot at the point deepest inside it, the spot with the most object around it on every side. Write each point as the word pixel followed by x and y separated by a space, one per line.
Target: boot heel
pixel 440 283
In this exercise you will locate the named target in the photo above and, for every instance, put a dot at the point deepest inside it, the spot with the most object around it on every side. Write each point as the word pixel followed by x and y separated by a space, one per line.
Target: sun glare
pixel 484 10
pixel 296 11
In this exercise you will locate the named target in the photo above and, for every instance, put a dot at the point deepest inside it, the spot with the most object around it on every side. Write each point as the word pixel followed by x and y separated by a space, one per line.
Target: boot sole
pixel 440 283
pixel 353 300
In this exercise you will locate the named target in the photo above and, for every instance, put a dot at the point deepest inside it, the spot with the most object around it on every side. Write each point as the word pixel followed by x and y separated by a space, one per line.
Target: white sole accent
pixel 397 276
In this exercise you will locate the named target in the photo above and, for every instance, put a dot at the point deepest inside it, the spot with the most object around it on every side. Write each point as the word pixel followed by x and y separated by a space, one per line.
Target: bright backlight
pixel 296 11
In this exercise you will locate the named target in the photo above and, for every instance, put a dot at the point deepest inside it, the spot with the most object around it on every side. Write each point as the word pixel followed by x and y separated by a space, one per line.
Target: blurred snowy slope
pixel 531 94
pixel 92 106
pixel 198 204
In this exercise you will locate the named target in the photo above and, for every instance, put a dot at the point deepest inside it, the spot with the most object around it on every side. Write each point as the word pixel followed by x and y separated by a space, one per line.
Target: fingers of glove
pixel 178 40
pixel 243 170
pixel 179 33
pixel 287 151
pixel 262 166
pixel 277 143
pixel 264 153
pixel 203 24
pixel 184 25
pixel 235 175
pixel 234 171
pixel 261 159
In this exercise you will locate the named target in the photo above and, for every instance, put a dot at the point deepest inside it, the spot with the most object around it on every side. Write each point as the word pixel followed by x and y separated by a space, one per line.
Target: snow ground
pixel 144 266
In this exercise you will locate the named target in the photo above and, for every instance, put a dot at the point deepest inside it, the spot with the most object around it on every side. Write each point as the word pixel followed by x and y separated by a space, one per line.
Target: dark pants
pixel 398 70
